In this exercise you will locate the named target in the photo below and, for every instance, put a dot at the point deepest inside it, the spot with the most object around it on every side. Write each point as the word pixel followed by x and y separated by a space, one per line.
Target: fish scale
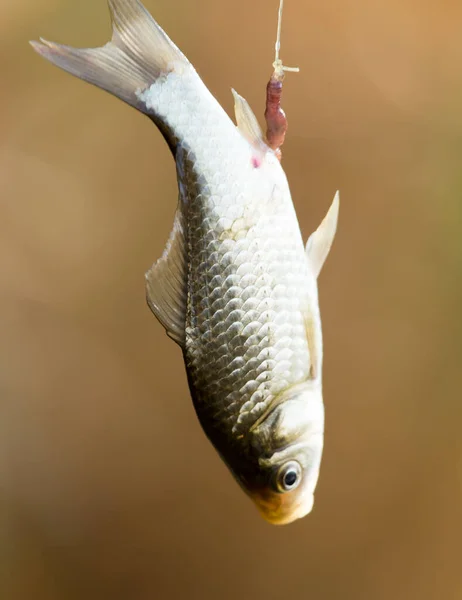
pixel 235 286
pixel 275 290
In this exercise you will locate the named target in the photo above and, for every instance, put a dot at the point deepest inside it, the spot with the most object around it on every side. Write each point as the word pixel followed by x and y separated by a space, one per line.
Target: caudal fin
pixel 139 52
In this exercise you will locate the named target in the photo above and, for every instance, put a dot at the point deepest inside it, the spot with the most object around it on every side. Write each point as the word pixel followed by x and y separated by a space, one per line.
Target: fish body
pixel 235 288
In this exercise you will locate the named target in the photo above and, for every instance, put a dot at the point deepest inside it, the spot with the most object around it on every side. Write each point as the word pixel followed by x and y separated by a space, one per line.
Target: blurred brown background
pixel 108 487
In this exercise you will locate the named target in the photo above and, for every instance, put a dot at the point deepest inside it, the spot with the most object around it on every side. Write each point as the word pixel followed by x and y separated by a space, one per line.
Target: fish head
pixel 287 444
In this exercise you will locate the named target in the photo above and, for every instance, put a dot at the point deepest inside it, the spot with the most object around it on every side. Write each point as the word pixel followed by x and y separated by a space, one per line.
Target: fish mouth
pixel 282 509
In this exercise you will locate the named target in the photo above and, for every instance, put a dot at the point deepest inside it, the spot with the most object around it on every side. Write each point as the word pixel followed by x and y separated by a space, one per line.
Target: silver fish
pixel 235 287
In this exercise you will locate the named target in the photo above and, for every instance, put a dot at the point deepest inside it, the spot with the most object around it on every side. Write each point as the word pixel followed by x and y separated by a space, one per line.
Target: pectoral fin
pixel 166 284
pixel 320 242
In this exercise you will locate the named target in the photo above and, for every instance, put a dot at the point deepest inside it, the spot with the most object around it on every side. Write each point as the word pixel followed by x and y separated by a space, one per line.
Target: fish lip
pixel 282 509
pixel 277 517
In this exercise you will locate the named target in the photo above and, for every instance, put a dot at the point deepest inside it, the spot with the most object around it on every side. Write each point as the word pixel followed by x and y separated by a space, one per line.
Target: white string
pixel 279 68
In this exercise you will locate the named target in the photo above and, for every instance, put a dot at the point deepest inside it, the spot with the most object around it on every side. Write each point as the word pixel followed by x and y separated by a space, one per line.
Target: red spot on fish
pixel 256 162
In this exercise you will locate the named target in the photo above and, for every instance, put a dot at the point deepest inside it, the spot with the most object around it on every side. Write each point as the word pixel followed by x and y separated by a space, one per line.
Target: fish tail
pixel 138 54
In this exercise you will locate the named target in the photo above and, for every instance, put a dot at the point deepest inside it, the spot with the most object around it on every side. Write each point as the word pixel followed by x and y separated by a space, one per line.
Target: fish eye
pixel 289 476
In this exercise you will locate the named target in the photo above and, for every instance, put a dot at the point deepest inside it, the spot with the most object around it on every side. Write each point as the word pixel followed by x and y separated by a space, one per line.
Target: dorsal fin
pixel 166 283
pixel 320 242
pixel 247 123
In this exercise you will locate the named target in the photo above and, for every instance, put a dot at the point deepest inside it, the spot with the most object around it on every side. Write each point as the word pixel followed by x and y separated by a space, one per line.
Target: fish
pixel 236 287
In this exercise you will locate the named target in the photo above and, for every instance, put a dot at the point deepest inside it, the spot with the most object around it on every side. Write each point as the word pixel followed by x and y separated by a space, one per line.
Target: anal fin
pixel 247 123
pixel 166 292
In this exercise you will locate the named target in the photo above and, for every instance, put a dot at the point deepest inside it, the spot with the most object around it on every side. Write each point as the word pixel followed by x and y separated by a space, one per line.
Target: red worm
pixel 276 121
